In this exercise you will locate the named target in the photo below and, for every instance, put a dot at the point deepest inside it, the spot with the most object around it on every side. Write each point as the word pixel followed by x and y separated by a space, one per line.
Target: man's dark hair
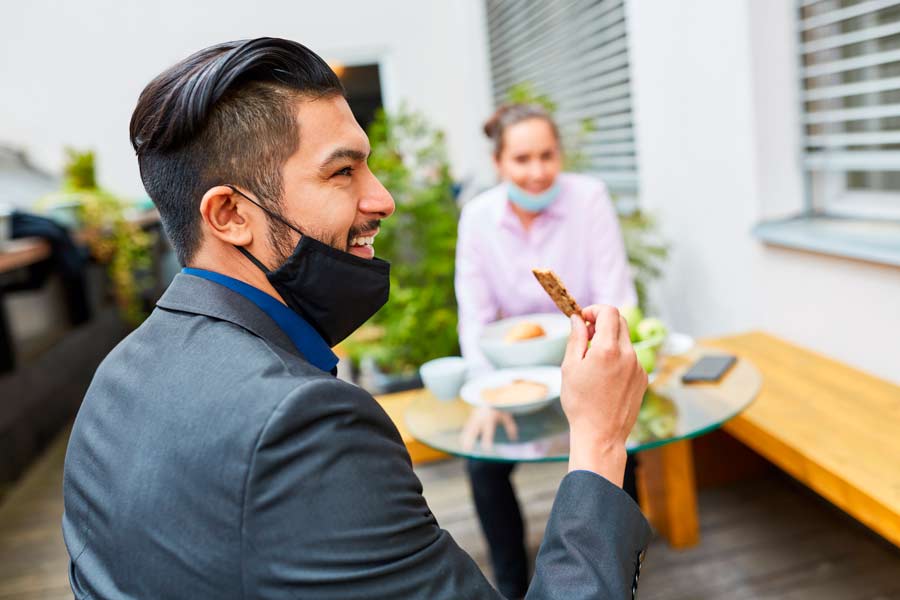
pixel 226 114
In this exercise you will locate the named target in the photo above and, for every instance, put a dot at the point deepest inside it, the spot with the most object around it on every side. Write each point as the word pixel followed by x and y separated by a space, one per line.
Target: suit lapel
pixel 199 296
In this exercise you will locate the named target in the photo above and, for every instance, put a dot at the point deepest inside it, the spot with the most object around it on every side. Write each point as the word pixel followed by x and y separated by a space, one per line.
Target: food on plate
pixel 520 391
pixel 524 330
pixel 554 287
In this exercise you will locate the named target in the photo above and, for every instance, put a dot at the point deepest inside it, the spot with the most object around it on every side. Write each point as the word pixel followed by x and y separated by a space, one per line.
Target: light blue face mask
pixel 532 202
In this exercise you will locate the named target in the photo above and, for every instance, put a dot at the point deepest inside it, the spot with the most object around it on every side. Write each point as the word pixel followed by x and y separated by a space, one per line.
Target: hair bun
pixel 492 125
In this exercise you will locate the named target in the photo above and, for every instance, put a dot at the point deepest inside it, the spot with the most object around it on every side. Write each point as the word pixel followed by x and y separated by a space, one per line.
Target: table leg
pixel 668 492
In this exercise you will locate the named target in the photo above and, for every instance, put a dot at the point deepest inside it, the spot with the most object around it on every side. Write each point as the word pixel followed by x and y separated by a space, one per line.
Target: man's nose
pixel 376 200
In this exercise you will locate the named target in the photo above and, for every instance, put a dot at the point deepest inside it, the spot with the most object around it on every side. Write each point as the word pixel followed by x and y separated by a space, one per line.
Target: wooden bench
pixel 832 427
pixel 15 254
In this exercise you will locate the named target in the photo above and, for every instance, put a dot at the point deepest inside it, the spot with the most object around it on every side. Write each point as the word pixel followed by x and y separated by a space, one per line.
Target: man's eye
pixel 346 171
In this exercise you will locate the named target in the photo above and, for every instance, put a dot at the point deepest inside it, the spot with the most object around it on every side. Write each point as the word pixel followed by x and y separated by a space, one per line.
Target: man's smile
pixel 362 244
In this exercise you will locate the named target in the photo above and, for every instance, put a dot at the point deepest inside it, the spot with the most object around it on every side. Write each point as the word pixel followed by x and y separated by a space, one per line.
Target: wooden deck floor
pixel 768 538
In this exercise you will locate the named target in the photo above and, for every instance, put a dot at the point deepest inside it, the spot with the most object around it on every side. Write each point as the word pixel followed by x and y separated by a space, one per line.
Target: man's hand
pixel 602 387
pixel 482 423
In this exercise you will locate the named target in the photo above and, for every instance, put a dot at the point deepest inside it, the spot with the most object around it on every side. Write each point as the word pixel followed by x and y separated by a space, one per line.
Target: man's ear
pixel 225 217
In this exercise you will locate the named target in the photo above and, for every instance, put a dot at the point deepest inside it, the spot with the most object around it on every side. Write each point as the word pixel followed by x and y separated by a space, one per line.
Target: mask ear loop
pixel 275 216
pixel 253 259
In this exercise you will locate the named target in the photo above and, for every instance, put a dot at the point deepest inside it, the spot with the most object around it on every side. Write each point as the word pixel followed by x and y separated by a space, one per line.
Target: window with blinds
pixel 850 71
pixel 576 53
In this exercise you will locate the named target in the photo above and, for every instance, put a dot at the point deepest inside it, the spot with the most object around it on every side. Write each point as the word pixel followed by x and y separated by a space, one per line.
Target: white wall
pixel 71 72
pixel 715 100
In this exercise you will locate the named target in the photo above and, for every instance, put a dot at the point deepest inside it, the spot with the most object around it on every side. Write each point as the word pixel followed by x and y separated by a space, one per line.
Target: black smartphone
pixel 709 369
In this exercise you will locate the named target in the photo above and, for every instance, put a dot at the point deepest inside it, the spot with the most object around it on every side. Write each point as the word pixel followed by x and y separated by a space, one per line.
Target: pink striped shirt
pixel 577 236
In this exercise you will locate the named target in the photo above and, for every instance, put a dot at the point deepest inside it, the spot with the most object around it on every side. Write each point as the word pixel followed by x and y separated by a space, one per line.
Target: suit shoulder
pixel 171 350
pixel 323 393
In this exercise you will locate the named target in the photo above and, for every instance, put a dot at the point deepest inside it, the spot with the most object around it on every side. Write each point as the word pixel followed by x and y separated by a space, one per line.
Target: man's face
pixel 329 191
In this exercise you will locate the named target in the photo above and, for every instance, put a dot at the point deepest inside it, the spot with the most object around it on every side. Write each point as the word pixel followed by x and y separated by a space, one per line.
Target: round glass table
pixel 671 411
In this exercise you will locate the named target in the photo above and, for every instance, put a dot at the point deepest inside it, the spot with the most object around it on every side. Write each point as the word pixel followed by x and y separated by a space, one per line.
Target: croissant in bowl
pixel 524 330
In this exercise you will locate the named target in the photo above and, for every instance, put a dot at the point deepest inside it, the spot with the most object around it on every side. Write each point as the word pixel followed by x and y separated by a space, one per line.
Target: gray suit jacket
pixel 210 460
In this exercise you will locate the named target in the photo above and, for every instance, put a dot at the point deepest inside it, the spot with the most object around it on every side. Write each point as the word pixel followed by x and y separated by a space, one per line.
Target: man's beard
pixel 281 238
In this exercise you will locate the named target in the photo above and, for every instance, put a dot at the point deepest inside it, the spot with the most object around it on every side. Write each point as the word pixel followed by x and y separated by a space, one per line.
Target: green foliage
pixel 524 93
pixel 112 238
pixel 79 171
pixel 646 251
pixel 419 322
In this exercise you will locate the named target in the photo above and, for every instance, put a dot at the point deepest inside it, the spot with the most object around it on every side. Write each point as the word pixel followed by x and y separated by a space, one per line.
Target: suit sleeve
pixel 594 542
pixel 333 509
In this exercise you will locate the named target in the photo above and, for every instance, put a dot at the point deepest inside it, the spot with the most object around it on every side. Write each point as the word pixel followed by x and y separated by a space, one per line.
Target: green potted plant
pixel 419 322
pixel 113 239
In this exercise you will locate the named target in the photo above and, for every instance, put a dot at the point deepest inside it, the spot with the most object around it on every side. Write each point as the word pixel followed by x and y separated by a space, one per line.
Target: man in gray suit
pixel 217 456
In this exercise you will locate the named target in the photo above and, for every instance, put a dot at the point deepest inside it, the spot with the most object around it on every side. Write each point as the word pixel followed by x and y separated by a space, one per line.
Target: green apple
pixel 633 317
pixel 651 329
pixel 646 357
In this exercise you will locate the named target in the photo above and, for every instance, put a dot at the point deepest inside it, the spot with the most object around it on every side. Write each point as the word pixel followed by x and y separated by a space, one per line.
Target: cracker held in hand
pixel 554 287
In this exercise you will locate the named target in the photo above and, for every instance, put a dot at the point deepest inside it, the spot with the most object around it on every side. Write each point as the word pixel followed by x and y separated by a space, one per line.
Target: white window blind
pixel 850 86
pixel 575 52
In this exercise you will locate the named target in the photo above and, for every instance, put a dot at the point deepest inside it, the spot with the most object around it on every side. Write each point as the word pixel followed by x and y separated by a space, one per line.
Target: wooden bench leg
pixel 668 492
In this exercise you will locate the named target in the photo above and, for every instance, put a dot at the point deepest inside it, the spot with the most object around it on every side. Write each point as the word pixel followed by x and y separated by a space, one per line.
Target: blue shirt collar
pixel 305 338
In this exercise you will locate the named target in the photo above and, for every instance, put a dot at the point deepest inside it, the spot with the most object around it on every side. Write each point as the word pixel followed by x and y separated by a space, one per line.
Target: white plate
pixel 549 376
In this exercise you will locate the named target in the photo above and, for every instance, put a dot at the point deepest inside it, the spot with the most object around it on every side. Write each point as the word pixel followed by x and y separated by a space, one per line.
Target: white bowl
pixel 547 350
pixel 549 376
pixel 444 376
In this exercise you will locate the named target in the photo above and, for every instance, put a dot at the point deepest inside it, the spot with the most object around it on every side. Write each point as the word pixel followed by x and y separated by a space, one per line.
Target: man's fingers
pixel 578 339
pixel 625 339
pixel 593 312
pixel 607 331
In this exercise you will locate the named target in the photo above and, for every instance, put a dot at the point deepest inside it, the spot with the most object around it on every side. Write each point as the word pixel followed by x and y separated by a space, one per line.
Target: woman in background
pixel 536 217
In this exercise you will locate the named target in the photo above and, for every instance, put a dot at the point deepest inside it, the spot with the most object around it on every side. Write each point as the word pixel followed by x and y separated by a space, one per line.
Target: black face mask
pixel 334 291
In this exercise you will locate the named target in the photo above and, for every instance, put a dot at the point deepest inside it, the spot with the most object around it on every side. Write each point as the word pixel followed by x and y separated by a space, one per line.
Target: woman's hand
pixel 482 423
